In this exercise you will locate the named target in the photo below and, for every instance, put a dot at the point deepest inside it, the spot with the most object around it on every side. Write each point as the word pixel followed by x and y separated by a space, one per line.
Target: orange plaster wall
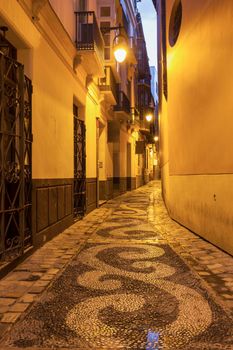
pixel 200 89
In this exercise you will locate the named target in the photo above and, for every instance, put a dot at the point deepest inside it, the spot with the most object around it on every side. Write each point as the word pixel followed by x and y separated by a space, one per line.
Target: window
pixel 107 40
pixel 175 22
pixel 105 11
pixel 164 49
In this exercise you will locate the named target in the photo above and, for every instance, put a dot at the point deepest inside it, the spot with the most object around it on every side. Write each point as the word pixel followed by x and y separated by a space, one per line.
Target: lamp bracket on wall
pixel 105 30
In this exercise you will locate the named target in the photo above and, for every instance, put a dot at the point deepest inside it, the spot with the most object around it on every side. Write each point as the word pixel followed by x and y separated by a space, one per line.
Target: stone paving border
pixel 24 285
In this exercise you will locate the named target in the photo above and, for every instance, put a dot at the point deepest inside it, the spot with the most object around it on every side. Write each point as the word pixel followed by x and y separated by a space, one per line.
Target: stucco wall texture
pixel 196 121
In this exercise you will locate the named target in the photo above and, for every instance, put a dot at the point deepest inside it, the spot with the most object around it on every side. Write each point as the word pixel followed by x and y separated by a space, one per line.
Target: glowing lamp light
pixel 156 138
pixel 120 54
pixel 119 48
pixel 149 117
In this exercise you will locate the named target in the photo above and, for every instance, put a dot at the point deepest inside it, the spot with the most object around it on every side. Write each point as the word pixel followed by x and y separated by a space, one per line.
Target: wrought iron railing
pixel 144 98
pixel 108 83
pixel 88 35
pixel 79 167
pixel 15 160
pixel 142 59
pixel 123 103
pixel 143 123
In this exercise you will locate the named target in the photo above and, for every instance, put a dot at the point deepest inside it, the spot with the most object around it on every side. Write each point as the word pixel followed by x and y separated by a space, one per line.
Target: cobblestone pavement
pixel 125 277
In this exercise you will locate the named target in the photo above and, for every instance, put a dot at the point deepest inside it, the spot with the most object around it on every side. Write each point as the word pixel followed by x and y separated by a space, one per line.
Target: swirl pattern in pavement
pixel 121 292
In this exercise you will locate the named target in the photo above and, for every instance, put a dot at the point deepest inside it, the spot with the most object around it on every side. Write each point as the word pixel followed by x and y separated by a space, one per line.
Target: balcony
pixel 108 86
pixel 90 43
pixel 146 127
pixel 142 59
pixel 145 98
pixel 147 134
pixel 122 109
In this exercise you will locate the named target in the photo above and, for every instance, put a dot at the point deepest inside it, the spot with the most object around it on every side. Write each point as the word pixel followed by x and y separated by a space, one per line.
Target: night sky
pixel 148 14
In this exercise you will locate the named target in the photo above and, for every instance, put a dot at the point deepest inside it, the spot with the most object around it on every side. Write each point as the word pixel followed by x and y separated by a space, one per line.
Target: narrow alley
pixel 125 277
pixel 116 173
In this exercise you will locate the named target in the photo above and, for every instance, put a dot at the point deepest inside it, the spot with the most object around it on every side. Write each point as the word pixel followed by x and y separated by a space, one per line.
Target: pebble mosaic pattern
pixel 126 289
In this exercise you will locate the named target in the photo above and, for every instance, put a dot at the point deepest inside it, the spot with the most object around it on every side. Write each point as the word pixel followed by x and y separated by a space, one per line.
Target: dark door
pixel 79 166
pixel 15 159
pixel 128 167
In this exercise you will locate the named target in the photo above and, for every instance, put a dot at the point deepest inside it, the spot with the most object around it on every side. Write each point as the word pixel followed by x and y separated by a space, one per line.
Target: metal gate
pixel 79 166
pixel 15 160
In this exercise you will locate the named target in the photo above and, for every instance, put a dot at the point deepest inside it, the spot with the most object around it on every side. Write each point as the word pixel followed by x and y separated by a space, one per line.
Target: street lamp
pixel 149 117
pixel 119 43
pixel 156 138
pixel 119 48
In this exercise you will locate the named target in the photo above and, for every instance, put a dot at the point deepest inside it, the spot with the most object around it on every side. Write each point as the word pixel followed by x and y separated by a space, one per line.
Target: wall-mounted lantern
pixel 149 117
pixel 120 48
pixel 119 43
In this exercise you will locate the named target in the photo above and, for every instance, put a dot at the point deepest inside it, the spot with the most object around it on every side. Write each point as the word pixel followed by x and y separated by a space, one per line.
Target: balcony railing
pixel 123 103
pixel 88 35
pixel 144 97
pixel 108 83
pixel 142 58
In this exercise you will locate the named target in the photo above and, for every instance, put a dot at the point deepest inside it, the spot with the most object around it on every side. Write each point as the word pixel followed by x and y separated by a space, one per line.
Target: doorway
pixel 79 165
pixel 15 159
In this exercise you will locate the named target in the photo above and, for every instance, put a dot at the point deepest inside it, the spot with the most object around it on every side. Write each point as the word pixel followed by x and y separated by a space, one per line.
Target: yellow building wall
pixel 105 148
pixel 196 122
pixel 198 66
pixel 134 138
pixel 65 11
pixel 52 116
pixel 109 160
pixel 123 152
pixel 92 5
pixel 50 70
pixel 90 121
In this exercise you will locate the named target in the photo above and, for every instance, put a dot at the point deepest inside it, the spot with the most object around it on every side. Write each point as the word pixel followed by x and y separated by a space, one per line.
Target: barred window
pixel 105 11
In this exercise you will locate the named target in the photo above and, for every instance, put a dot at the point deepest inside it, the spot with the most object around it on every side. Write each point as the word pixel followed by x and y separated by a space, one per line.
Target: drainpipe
pixel 132 97
pixel 97 162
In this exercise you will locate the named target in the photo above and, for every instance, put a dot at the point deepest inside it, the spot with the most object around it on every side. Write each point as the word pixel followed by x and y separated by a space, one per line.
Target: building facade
pixel 70 131
pixel 195 112
pixel 154 84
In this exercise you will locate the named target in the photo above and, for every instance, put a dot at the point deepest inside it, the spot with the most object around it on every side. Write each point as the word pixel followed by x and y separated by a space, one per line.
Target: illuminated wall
pixel 65 12
pixel 196 122
pixel 47 52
